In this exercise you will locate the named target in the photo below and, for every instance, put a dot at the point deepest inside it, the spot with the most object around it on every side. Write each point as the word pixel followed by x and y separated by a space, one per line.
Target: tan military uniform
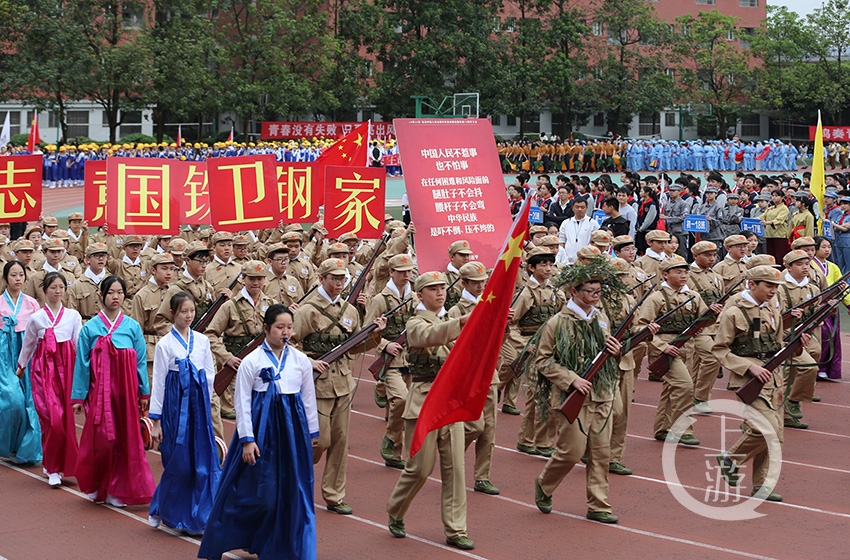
pixel 650 265
pixel 133 274
pixel 147 302
pixel 70 267
pixel 626 365
pixel 804 370
pixel 190 234
pixel 83 296
pixel 429 338
pixel 703 364
pixel 283 289
pixel 731 271
pixel 303 270
pixel 221 274
pixel 33 286
pixel 77 245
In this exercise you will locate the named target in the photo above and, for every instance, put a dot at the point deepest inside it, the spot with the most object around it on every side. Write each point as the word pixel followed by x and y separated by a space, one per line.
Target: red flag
pixel 764 153
pixel 350 150
pixel 230 138
pixel 34 138
pixel 460 390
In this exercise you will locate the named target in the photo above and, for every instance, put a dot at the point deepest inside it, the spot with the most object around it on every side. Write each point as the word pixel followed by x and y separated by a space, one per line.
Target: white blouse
pixel 67 328
pixel 167 350
pixel 296 377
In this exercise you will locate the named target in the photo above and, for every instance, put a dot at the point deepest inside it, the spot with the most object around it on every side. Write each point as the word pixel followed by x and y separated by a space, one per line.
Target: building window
pixel 30 117
pixel 751 126
pixel 599 119
pixel 730 35
pixel 746 34
pixel 512 121
pixel 598 28
pixel 686 30
pixel 705 2
pixel 748 3
pixel 670 72
pixel 532 123
pixel 131 123
pixel 78 123
pixel 14 121
pixel 132 15
pixel 669 119
pixel 648 124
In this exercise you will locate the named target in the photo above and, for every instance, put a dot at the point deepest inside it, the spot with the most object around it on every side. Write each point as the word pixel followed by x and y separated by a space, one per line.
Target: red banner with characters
pixel 94 192
pixel 142 199
pixel 354 201
pixel 298 192
pixel 831 133
pixel 296 130
pixel 193 196
pixel 455 187
pixel 245 192
pixel 20 188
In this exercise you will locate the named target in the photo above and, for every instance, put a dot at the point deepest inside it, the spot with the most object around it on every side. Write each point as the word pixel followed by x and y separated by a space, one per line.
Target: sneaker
pixel 584 459
pixel 766 493
pixel 544 502
pixel 154 521
pixel 379 400
pixel 655 378
pixel 702 407
pixel 619 468
pixel 795 423
pixel 720 374
pixel 508 409
pixel 728 469
pixel 54 480
pixel 822 376
pixel 387 447
pixel 397 528
pixel 527 449
pixel 546 451
pixel 462 542
pixel 815 399
pixel 661 436
pixel 341 508
pixel 485 487
pixel 688 439
pixel 602 516
pixel 394 463
pixel 113 501
pixel 229 415
pixel 92 496
pixel 793 409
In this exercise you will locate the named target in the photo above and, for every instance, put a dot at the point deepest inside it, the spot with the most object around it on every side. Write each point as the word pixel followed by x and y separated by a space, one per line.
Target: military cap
pixel 60 234
pixel 711 190
pixel 733 240
pixel 548 241
pixel 657 235
pixel 461 247
pixel 622 241
pixel 177 246
pixel 404 262
pixel 50 221
pixel 95 248
pixel 292 236
pixel 205 233
pixel 75 216
pixel 161 258
pixel 277 248
pixel 335 248
pixel 241 239
pixel 255 268
pixel 474 271
pixel 332 266
pixel 395 224
pixel 23 245
pixel 388 217
pixel 53 244
pixel 760 197
pixel 348 237
pixel 670 263
pixel 588 252
pixel 620 265
pixel 293 227
pixel 844 199
pixel 764 274
pixel 601 237
pixel 802 195
pixel 429 279
pixel 541 251
pixel 802 242
pixel 794 256
pixel 134 239
pixel 222 236
pixel 761 260
pixel 196 247
pixel 534 230
pixel 703 247
pixel 32 229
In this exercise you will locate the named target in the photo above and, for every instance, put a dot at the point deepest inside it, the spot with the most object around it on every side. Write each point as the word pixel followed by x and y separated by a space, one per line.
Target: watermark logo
pixel 720 500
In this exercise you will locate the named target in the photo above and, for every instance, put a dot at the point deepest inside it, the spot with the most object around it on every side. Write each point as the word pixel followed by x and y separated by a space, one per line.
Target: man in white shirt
pixel 575 232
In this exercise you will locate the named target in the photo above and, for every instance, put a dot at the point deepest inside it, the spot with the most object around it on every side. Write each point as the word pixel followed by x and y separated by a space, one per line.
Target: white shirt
pixel 68 328
pixel 681 290
pixel 394 289
pixel 574 307
pixel 575 234
pixel 137 262
pixel 167 350
pixel 468 297
pixel 656 256
pixel 296 377
pixel 96 278
pixel 325 295
pixel 789 278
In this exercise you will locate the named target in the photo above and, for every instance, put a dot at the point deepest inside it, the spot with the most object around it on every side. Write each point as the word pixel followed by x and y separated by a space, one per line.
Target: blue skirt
pixel 184 497
pixel 267 508
pixel 20 430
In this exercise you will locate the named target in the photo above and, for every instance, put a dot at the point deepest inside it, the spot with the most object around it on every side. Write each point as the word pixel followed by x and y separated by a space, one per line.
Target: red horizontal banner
pixel 273 130
pixel 831 133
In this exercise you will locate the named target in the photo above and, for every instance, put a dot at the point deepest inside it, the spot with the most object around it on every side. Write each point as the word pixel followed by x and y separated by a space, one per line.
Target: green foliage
pixel 18 139
pixel 137 138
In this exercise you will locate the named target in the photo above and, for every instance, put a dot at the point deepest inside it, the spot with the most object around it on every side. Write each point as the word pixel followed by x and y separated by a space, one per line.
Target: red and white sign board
pixel 831 133
pixel 455 186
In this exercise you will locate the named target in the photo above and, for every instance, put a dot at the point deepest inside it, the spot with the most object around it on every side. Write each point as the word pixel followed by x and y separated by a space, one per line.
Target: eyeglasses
pixel 280 260
pixel 593 293
pixel 202 260
pixel 336 279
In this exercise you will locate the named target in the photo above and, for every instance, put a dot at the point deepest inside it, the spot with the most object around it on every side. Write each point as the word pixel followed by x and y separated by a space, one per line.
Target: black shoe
pixel 728 469
pixel 508 409
pixel 341 508
pixel 485 487
pixel 394 463
pixel 766 493
pixel 527 449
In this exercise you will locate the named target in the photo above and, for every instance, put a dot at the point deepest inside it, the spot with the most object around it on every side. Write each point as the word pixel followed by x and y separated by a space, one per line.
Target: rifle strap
pixel 334 320
pixel 241 315
pixel 602 429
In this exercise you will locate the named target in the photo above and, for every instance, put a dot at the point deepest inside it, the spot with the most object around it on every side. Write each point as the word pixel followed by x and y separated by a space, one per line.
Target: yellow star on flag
pixel 513 251
pixel 490 297
pixel 359 140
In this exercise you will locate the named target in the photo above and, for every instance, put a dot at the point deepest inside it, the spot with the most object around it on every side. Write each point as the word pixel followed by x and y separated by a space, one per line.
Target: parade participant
pixel 733 266
pixel 69 264
pixel 24 250
pixel 130 268
pixel 149 299
pixel 482 431
pixel 677 393
pixel 803 220
pixel 830 361
pixel 748 333
pixel 222 270
pixel 574 232
pixel 459 254
pixel 775 223
pixel 50 343
pixel 111 383
pixel 624 248
pixel 567 341
pixel 710 286
pixel 815 274
pixel 53 251
pixel 395 382
pixel 430 334
pixel 300 266
pixel 323 322
pixel 236 324
pixel 601 239
pixel 673 215
pixel 177 249
pixel 183 375
pixel 650 262
pixel 281 287
pixel 264 502
pixel 83 295
pixel 340 251
pixel 157 244
pixel 20 433
pixel 78 235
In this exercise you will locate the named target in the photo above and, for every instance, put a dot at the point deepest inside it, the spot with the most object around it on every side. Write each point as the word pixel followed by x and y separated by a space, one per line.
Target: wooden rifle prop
pixel 750 391
pixel 354 340
pixel 661 364
pixel 825 295
pixel 361 280
pixel 638 285
pixel 573 403
pixel 207 317
pixel 226 374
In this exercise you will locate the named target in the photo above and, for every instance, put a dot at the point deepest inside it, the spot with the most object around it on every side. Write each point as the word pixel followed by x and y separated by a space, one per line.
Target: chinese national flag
pixel 460 389
pixel 34 138
pixel 354 201
pixel 94 192
pixel 350 150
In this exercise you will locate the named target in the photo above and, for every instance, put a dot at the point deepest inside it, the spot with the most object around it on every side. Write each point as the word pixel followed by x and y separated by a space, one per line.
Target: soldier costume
pixel 149 299
pixel 83 295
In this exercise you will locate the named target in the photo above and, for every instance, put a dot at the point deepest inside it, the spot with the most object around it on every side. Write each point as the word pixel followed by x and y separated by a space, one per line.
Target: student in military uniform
pixel 280 286
pixel 158 244
pixel 657 241
pixel 536 303
pixel 129 268
pixel 237 323
pixel 191 233
pixel 300 267
pixel 587 329
pixel 459 254
pixel 397 244
pixel 69 264
pixel 624 248
pixel 177 249
pixel 340 251
pixel 150 298
pixel 742 344
pixel 733 267
pixel 23 250
pixel 430 334
pixel 50 224
pixel 711 287
pixel 222 270
pixel 323 322
pixel 394 378
pixel 83 295
pixel 78 235
pixel 473 277
pixel 815 275
pixel 677 394
pixel 53 251
pixel 241 246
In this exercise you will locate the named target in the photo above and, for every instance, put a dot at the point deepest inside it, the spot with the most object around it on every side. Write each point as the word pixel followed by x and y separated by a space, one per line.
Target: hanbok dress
pixel 20 433
pixel 110 376
pixel 50 349
pixel 267 508
pixel 830 357
pixel 183 375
